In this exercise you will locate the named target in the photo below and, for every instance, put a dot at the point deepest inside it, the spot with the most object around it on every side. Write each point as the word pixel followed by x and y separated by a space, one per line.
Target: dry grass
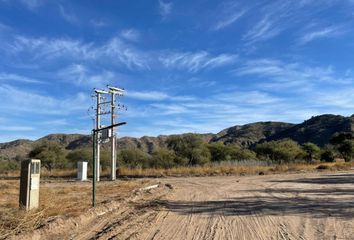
pixel 71 198
pixel 57 198
pixel 229 169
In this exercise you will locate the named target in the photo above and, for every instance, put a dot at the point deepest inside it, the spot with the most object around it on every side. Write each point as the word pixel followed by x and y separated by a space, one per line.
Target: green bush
pixel 219 152
pixel 312 151
pixel 8 165
pixel 80 155
pixel 344 144
pixel 51 156
pixel 280 151
pixel 189 147
pixel 242 154
pixel 346 149
pixel 164 158
pixel 133 158
pixel 328 154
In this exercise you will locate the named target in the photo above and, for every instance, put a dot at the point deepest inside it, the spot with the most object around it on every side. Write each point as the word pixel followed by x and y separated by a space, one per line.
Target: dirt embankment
pixel 292 206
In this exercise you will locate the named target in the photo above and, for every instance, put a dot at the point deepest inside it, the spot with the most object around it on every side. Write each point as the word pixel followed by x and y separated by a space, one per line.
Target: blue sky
pixel 187 66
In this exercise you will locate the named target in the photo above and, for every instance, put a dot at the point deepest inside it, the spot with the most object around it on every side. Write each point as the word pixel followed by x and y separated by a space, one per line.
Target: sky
pixel 186 66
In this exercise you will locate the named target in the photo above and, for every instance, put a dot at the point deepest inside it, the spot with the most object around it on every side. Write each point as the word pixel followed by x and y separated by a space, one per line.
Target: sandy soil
pixel 293 206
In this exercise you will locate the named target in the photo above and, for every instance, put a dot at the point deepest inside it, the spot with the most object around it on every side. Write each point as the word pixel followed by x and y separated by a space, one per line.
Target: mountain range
pixel 318 129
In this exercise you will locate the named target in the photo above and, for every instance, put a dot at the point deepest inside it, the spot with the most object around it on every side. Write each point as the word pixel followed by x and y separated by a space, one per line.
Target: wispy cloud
pixel 32 4
pixel 125 54
pixel 152 95
pixel 157 96
pixel 115 50
pixel 83 76
pixel 4 27
pixel 52 48
pixel 288 75
pixel 8 128
pixel 165 8
pixel 277 16
pixel 335 99
pixel 320 33
pixel 68 15
pixel 196 61
pixel 131 34
pixel 263 30
pixel 15 100
pixel 17 78
pixel 228 20
pixel 253 97
pixel 170 108
pixel 99 23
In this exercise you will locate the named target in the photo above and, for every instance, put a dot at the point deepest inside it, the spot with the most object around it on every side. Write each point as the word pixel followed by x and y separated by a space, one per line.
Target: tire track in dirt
pixel 213 208
pixel 294 206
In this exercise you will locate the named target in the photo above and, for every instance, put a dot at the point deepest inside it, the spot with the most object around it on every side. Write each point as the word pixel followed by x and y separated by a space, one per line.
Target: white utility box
pixel 82 171
pixel 29 184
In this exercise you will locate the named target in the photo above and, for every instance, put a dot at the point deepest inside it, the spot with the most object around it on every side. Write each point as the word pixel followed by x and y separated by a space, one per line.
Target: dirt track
pixel 294 206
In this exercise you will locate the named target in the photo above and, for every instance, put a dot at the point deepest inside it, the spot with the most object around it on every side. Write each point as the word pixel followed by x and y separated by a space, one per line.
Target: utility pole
pixel 104 134
pixel 113 138
pixel 114 91
pixel 98 126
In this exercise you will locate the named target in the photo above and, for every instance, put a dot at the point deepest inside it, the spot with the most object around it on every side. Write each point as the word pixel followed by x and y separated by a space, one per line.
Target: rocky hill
pixel 250 134
pixel 318 130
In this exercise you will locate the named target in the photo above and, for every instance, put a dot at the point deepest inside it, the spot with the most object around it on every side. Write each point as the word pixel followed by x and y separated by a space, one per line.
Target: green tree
pixel 164 158
pixel 339 138
pixel 219 151
pixel 51 155
pixel 134 158
pixel 344 143
pixel 80 155
pixel 280 151
pixel 312 151
pixel 328 153
pixel 346 149
pixel 239 153
pixel 8 165
pixel 190 148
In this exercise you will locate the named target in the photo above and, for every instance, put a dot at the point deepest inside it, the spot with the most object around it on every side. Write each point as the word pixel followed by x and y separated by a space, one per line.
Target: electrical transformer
pixel 82 171
pixel 29 184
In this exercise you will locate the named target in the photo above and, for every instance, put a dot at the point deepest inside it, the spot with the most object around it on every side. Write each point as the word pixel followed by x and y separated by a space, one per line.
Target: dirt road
pixel 297 206
pixel 294 206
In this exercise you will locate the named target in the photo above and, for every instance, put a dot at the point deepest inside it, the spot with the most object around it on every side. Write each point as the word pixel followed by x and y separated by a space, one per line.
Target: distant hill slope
pixel 15 148
pixel 318 130
pixel 250 134
pixel 21 148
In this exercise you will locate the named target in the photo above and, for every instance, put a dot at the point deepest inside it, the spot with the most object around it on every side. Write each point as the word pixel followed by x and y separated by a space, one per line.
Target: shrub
pixel 8 165
pixel 189 147
pixel 219 152
pixel 280 151
pixel 51 155
pixel 163 158
pixel 80 155
pixel 238 153
pixel 312 151
pixel 344 143
pixel 328 154
pixel 346 149
pixel 133 158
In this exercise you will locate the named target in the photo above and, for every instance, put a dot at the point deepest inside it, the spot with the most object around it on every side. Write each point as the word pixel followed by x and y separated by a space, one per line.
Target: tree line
pixel 191 150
